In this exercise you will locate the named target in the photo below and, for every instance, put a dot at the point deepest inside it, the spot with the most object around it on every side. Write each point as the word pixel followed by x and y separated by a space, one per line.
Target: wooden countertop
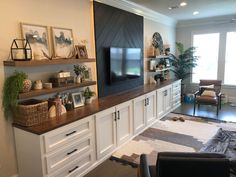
pixel 96 106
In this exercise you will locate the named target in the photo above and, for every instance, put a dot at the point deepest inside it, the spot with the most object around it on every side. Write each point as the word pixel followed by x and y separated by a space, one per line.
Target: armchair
pixel 209 93
pixel 180 164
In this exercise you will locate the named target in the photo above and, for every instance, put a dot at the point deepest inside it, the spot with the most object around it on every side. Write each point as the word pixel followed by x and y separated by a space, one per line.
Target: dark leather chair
pixel 178 164
pixel 200 99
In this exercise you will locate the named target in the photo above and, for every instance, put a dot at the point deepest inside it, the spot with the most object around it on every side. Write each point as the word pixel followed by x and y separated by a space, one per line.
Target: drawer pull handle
pixel 72 151
pixel 68 134
pixel 70 171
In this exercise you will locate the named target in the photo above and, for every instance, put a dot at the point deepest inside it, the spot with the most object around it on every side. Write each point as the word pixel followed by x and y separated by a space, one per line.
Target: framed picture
pixel 37 36
pixel 81 51
pixel 63 42
pixel 77 99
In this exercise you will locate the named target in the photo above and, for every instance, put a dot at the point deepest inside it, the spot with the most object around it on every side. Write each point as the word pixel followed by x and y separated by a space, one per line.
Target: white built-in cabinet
pixel 113 128
pixel 164 101
pixel 76 148
pixel 66 151
pixel 144 111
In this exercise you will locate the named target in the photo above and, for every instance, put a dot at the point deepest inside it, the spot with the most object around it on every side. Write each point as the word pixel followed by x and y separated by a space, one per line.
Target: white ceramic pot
pixel 88 101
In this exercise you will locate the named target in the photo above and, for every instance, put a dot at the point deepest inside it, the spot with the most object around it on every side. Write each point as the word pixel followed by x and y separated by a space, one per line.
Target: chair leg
pixel 194 107
pixel 217 109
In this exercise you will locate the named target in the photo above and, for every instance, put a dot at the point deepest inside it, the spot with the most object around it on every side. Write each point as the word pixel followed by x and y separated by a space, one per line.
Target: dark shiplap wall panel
pixel 115 28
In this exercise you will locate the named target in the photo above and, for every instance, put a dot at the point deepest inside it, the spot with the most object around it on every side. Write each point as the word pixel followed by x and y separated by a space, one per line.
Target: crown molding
pixel 220 20
pixel 140 10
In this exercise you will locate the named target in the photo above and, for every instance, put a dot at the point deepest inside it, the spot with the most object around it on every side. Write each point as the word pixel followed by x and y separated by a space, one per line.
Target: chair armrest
pixel 196 93
pixel 143 167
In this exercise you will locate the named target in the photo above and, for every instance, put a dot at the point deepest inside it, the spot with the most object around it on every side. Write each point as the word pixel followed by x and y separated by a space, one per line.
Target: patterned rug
pixel 189 135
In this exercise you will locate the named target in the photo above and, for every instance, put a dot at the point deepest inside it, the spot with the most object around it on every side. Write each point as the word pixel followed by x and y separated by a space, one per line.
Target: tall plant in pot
pixel 13 85
pixel 183 63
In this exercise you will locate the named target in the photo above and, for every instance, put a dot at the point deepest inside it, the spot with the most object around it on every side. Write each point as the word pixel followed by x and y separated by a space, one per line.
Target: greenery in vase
pixel 185 61
pixel 12 86
pixel 88 93
pixel 80 70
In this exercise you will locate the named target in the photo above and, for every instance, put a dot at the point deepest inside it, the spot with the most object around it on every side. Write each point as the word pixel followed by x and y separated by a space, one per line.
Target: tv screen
pixel 125 64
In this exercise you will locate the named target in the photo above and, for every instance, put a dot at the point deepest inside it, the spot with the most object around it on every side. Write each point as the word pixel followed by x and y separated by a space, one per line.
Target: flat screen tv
pixel 125 64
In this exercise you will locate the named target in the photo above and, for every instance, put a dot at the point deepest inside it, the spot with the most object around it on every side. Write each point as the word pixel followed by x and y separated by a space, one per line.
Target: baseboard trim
pixel 231 99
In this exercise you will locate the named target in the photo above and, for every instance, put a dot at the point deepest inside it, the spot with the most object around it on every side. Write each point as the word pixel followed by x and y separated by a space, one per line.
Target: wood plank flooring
pixel 227 112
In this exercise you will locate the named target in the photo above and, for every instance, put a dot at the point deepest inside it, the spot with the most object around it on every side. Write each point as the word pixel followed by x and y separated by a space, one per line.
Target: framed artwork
pixel 37 36
pixel 63 42
pixel 81 51
pixel 77 99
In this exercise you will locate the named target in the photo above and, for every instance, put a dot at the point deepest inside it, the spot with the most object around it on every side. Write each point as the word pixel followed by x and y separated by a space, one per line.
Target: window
pixel 230 59
pixel 207 48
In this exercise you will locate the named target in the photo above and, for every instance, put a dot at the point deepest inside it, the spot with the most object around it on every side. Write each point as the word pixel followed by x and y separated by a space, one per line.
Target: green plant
pixel 88 93
pixel 185 61
pixel 12 86
pixel 79 69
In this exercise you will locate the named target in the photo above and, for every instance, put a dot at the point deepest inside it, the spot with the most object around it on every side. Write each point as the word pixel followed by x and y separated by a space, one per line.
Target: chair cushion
pixel 207 99
pixel 209 93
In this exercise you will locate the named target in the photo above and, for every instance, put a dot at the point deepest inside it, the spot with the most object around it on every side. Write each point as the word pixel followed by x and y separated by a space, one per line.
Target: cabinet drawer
pixel 64 156
pixel 176 95
pixel 75 168
pixel 60 137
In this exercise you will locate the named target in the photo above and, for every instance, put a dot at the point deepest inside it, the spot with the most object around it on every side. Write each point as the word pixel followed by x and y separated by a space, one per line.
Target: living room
pixel 79 16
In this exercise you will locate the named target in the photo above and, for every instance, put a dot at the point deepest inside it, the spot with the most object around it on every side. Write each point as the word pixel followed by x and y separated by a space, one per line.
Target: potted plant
pixel 13 85
pixel 182 64
pixel 79 71
pixel 88 94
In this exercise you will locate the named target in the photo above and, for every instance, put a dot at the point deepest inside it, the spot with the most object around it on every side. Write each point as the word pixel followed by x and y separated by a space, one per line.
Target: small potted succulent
pixel 88 94
pixel 13 85
pixel 79 71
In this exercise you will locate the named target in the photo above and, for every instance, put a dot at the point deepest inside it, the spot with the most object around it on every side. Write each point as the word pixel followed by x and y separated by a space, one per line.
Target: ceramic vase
pixel 27 84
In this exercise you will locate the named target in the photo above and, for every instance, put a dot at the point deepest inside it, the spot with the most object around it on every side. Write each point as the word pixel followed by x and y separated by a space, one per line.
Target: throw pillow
pixel 209 93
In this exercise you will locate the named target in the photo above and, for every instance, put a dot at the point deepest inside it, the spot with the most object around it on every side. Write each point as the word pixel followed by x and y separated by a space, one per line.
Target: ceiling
pixel 206 8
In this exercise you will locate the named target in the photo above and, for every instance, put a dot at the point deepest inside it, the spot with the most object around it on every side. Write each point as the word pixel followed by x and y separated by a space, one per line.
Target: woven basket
pixel 31 112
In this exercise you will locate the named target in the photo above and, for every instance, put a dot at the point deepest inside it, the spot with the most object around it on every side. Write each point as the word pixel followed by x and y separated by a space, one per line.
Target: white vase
pixel 78 79
pixel 88 101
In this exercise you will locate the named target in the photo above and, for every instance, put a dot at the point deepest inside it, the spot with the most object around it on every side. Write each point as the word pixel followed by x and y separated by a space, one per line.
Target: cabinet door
pixel 124 122
pixel 168 98
pixel 105 132
pixel 151 107
pixel 139 114
pixel 161 103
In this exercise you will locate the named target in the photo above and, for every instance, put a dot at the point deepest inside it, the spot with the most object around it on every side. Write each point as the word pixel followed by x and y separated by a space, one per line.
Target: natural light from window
pixel 230 59
pixel 207 49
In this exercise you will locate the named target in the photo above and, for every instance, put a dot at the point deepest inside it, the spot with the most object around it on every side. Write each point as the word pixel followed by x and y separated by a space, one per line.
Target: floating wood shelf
pixel 46 62
pixel 54 90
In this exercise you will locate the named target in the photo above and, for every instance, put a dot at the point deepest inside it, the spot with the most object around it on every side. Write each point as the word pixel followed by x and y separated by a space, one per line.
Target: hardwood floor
pixel 113 169
pixel 227 112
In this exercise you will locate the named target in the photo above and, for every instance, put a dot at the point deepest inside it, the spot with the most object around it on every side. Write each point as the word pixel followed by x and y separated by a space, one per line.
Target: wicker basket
pixel 31 112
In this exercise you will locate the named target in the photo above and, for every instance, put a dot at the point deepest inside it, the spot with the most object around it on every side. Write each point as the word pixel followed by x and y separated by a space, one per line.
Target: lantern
pixel 21 50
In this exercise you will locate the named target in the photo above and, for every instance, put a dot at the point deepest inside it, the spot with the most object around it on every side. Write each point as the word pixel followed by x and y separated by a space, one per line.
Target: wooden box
pixel 58 82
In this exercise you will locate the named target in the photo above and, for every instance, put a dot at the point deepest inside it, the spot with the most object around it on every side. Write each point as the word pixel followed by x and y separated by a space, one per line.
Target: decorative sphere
pixel 27 84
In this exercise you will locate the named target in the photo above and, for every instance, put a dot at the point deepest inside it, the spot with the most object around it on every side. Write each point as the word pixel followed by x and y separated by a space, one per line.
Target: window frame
pixel 222 52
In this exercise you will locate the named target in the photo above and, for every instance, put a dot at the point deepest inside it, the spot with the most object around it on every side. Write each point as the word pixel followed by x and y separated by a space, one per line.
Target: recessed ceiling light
pixel 195 13
pixel 182 4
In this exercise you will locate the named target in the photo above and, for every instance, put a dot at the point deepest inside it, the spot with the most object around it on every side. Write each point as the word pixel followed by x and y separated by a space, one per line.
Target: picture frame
pixel 63 42
pixel 81 51
pixel 37 36
pixel 77 99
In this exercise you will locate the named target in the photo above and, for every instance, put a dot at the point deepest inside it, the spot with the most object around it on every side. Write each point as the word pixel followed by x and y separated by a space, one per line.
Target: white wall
pixel 74 14
pixel 184 33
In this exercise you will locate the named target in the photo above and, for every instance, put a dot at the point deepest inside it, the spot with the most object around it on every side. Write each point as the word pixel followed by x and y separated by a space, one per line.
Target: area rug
pixel 168 135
